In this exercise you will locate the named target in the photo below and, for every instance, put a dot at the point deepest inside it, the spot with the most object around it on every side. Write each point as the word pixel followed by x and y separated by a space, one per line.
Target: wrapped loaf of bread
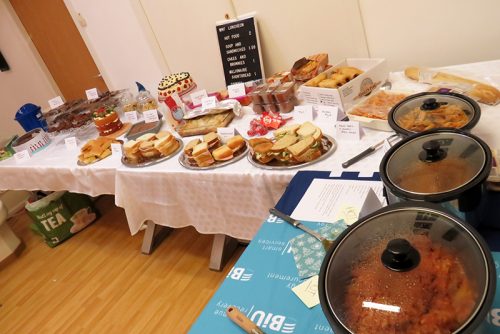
pixel 479 91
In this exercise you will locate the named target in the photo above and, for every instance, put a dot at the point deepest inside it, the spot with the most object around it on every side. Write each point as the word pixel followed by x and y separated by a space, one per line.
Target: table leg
pixel 153 236
pixel 223 247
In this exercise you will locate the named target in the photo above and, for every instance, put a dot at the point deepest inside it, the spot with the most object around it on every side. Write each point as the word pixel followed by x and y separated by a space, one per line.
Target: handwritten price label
pixel 348 131
pixel 56 102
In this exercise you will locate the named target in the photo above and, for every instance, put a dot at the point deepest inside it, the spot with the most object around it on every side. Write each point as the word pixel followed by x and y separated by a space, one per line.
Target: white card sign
pixel 150 116
pixel 70 143
pixel 225 133
pixel 348 131
pixel 22 156
pixel 327 114
pixel 303 114
pixel 131 116
pixel 92 94
pixel 208 102
pixel 116 150
pixel 236 90
pixel 196 97
pixel 56 102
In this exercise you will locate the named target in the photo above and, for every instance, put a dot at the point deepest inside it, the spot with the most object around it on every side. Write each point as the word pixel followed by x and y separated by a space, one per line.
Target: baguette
pixel 482 92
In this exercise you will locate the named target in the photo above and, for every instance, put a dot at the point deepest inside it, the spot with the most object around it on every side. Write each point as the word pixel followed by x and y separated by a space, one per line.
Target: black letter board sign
pixel 240 50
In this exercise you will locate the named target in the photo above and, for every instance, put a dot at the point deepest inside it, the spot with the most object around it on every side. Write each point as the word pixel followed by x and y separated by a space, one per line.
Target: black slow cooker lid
pixel 407 268
pixel 436 165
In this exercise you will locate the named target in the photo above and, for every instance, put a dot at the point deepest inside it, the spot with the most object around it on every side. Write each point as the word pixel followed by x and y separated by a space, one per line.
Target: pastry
pixel 335 78
pixel 307 68
pixel 180 83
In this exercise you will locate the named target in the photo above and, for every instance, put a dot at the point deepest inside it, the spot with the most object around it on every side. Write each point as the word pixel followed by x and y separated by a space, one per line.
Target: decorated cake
pixel 179 83
pixel 106 120
pixel 32 141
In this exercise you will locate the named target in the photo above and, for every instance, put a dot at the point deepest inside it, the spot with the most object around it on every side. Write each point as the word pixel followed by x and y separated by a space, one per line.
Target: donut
pixel 180 83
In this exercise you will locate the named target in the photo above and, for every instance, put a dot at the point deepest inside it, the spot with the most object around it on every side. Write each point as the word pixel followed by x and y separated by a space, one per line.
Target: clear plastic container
pixel 284 92
pixel 127 102
pixel 145 101
pixel 286 106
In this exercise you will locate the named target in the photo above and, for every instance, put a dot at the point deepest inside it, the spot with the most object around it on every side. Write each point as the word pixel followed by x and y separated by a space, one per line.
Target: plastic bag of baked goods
pixel 479 91
pixel 60 215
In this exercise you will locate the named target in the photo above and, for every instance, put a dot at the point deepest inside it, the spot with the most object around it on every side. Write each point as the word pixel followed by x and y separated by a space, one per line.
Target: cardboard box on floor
pixel 375 72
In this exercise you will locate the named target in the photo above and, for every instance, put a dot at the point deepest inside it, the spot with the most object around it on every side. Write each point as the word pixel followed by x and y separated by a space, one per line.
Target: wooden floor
pixel 99 282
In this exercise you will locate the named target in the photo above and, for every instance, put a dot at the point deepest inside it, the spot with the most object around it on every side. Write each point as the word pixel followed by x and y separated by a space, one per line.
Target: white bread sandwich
pixel 188 150
pixel 307 129
pixel 301 146
pixel 279 148
pixel 202 155
pixel 166 145
pixel 235 143
pixel 222 153
pixel 287 129
pixel 262 151
pixel 305 150
pixel 147 137
pixel 212 139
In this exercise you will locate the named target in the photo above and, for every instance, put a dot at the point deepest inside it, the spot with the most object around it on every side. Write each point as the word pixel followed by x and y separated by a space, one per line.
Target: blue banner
pixel 260 286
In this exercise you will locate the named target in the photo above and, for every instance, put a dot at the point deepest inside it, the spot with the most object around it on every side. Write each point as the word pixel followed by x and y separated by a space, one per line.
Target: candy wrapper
pixel 268 120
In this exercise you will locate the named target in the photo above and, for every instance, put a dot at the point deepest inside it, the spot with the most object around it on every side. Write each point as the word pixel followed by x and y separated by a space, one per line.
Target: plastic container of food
pixel 287 106
pixel 270 107
pixel 258 108
pixel 373 111
pixel 255 94
pixel 266 94
pixel 407 268
pixel 284 92
pixel 430 110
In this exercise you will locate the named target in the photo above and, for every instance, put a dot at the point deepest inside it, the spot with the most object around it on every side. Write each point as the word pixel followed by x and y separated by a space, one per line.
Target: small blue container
pixel 30 117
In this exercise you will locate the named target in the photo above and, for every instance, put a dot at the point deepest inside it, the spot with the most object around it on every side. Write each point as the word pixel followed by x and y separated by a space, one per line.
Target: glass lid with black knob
pixel 432 110
pixel 436 162
pixel 407 268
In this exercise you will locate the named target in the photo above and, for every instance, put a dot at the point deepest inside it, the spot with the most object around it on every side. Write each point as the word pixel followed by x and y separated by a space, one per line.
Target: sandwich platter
pixel 237 155
pixel 328 146
pixel 96 150
pixel 147 163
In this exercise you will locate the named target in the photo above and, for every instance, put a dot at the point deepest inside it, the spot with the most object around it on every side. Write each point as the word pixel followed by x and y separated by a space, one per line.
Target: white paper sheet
pixel 326 200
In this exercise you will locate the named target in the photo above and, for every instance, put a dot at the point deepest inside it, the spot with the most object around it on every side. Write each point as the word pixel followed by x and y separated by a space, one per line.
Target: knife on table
pixel 366 152
pixel 241 320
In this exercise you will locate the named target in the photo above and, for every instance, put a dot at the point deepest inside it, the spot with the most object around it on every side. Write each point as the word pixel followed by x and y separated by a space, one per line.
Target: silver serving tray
pixel 154 161
pixel 329 144
pixel 237 156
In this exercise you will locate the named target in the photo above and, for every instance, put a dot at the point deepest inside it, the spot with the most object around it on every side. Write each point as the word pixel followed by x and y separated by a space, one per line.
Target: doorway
pixel 60 45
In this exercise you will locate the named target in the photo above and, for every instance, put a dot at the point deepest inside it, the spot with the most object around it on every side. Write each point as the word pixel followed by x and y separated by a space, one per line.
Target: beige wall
pixel 405 32
pixel 432 33
pixel 146 39
pixel 186 34
pixel 27 80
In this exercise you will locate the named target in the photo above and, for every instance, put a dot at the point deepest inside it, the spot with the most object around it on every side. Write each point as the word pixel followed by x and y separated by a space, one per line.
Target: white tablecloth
pixel 55 168
pixel 228 200
pixel 231 200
